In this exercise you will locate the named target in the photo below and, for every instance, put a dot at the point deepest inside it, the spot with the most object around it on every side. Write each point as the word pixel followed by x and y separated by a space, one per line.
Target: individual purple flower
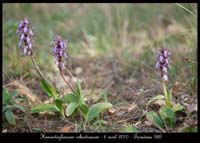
pixel 163 62
pixel 25 34
pixel 58 52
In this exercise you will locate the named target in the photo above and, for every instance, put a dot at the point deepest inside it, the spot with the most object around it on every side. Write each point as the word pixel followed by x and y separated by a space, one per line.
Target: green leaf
pixel 84 110
pixel 70 98
pixel 60 107
pixel 95 109
pixel 48 89
pixel 190 129
pixel 155 119
pixel 10 117
pixel 11 107
pixel 177 107
pixel 59 104
pixel 71 108
pixel 80 94
pixel 104 95
pixel 186 9
pixel 130 129
pixel 75 113
pixel 99 122
pixel 45 107
pixel 5 96
pixel 79 89
pixel 4 108
pixel 168 116
pixel 158 97
pixel 37 130
pixel 14 93
pixel 20 99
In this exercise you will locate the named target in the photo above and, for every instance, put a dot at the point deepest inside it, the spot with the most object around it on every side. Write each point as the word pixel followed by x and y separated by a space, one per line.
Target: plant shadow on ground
pixel 112 51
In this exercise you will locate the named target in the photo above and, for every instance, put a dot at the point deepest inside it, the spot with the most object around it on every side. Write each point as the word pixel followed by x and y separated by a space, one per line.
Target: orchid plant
pixel 166 115
pixel 163 65
pixel 74 100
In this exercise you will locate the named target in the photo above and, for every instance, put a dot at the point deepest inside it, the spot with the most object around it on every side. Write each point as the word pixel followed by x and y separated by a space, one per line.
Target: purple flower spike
pixel 58 51
pixel 163 62
pixel 25 34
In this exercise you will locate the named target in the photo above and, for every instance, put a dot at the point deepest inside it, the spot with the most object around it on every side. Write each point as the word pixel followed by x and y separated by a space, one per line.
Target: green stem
pixel 70 74
pixel 36 67
pixel 167 100
pixel 164 89
pixel 62 114
pixel 68 84
pixel 84 124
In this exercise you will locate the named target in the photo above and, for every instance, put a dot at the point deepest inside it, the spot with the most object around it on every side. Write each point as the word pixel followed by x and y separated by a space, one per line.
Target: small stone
pixel 78 70
pixel 5 131
pixel 74 79
pixel 147 123
pixel 111 110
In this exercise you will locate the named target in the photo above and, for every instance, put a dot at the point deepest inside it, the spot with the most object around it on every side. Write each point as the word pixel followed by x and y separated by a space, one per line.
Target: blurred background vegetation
pixel 116 43
pixel 129 32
